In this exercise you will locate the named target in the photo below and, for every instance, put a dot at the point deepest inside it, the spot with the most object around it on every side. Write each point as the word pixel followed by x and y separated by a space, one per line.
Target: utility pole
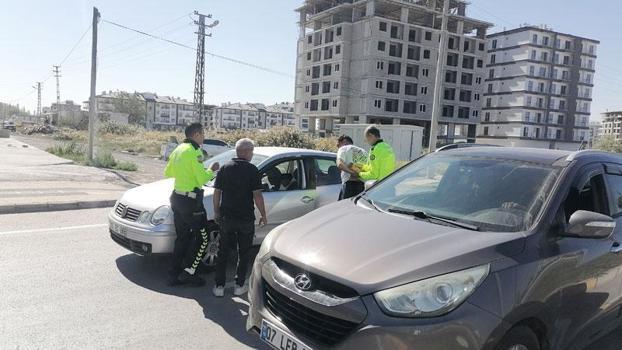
pixel 438 81
pixel 92 100
pixel 199 75
pixel 56 70
pixel 38 87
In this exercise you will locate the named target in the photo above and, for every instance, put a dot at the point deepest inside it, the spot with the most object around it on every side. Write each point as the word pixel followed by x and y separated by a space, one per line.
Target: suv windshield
pixel 492 194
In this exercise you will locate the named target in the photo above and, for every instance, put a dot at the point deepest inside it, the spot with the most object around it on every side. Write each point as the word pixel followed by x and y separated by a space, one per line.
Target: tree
pixel 133 105
pixel 608 143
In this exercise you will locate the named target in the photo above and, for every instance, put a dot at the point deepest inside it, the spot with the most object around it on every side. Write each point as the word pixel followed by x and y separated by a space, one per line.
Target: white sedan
pixel 295 181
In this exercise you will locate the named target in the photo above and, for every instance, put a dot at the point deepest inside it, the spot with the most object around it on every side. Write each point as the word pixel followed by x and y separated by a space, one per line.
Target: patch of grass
pixel 104 159
pixel 126 166
pixel 70 150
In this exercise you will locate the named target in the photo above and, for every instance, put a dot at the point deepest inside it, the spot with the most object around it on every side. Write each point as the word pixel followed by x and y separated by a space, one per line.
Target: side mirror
pixel 588 224
pixel 369 184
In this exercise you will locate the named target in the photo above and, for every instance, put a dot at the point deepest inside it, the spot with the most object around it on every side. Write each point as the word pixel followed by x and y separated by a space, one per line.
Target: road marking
pixel 54 229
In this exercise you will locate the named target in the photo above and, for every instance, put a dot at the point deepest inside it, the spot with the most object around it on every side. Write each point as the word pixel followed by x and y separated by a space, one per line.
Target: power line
pixel 252 65
pixel 74 46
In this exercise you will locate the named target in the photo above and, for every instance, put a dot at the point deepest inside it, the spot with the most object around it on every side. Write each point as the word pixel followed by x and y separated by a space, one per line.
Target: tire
pixel 211 252
pixel 519 338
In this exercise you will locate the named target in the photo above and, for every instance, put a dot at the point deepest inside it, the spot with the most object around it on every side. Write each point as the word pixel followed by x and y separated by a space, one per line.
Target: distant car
pixel 463 145
pixel 214 147
pixel 142 220
pixel 9 126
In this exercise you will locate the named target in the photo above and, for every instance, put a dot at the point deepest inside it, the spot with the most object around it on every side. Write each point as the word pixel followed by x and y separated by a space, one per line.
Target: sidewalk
pixel 32 180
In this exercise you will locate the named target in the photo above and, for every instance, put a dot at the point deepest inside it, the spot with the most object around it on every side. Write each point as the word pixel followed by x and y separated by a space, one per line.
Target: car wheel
pixel 211 252
pixel 519 338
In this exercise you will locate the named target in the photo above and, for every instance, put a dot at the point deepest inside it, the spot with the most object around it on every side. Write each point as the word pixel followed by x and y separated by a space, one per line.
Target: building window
pixel 381 46
pixel 534 39
pixel 395 68
pixel 327 69
pixel 413 53
pixel 464 112
pixel 480 63
pixel 412 70
pixel 426 54
pixel 485 131
pixel 493 59
pixel 328 53
pixel 380 65
pixel 316 72
pixel 378 84
pixel 309 56
pixel 410 89
pixel 478 80
pixel 558 134
pixel 530 85
pixel 315 89
pixel 487 116
pixel 525 132
pixel 309 39
pixel 465 95
pixel 314 105
pixel 560 119
pixel 393 86
pixel 307 105
pixel 334 103
pixel 395 50
pixel 476 97
pixel 494 44
pixel 567 45
pixel 412 35
pixel 317 55
pixel 424 90
pixel 482 47
pixel 337 68
pixel 449 94
pixel 326 87
pixel 325 104
pixel 391 105
pixel 395 32
pixel 491 74
pixel 337 49
pixel 383 26
pixel 338 31
pixel 308 72
pixel 468 62
pixel 428 36
pixel 329 35
pixel 488 102
pixel 425 72
pixel 545 41
pixel 452 59
pixel 377 103
pixel 451 76
pixel 533 54
pixel 422 108
pixel 466 79
pixel 307 88
pixel 410 107
pixel 448 111
pixel 336 85
pixel 475 114
pixel 562 90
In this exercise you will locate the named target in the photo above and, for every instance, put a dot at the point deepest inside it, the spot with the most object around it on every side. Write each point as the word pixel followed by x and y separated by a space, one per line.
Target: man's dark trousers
pixel 234 235
pixel 350 189
pixel 190 227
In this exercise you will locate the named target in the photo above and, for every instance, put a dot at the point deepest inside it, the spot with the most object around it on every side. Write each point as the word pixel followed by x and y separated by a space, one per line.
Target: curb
pixel 44 207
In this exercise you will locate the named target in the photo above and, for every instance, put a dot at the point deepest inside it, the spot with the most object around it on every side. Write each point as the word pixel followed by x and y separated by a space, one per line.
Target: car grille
pixel 126 212
pixel 319 282
pixel 324 329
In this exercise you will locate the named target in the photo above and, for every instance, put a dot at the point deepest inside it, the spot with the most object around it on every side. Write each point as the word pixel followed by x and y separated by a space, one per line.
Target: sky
pixel 260 32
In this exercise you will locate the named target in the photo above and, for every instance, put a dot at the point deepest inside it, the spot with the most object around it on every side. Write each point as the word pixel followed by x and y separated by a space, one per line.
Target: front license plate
pixel 118 229
pixel 279 339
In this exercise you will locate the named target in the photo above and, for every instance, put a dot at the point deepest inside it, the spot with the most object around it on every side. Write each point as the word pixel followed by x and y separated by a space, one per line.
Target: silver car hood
pixel 370 250
pixel 153 195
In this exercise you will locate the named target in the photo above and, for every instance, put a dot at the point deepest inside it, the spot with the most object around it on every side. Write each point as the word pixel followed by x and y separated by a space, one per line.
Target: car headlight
pixel 144 217
pixel 433 296
pixel 267 241
pixel 161 215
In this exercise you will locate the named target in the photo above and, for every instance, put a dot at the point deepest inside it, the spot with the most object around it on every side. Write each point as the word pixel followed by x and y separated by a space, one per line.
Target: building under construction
pixel 375 61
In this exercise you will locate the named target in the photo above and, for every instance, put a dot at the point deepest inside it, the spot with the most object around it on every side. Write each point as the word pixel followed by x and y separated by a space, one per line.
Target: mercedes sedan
pixel 295 181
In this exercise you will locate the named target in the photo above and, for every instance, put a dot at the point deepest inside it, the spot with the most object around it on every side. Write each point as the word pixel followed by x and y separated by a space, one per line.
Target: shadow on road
pixel 228 312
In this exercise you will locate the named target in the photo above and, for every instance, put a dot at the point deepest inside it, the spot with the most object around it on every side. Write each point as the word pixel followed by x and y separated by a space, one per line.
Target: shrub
pixel 104 159
pixel 115 128
pixel 70 150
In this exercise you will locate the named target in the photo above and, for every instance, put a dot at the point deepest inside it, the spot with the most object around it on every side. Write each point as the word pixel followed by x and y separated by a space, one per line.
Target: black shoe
pixel 172 279
pixel 192 280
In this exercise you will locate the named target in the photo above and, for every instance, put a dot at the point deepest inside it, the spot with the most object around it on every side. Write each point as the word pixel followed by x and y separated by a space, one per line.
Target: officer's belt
pixel 192 195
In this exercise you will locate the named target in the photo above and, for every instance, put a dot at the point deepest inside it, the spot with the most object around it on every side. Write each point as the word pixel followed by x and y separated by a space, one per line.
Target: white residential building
pixel 375 61
pixel 611 125
pixel 538 89
pixel 255 116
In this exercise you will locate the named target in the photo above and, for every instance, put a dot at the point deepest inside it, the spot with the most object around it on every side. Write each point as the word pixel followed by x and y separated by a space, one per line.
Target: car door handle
pixel 616 248
pixel 306 199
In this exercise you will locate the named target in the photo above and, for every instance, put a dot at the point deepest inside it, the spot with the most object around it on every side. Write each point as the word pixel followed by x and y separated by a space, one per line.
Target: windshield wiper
pixel 371 202
pixel 423 215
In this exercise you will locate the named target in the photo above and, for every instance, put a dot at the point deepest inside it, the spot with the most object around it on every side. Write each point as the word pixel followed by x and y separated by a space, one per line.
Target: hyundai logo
pixel 302 281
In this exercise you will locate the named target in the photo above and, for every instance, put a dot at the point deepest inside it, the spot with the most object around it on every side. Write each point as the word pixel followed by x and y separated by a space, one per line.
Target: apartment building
pixel 374 61
pixel 167 113
pixel 538 89
pixel 255 116
pixel 595 132
pixel 611 125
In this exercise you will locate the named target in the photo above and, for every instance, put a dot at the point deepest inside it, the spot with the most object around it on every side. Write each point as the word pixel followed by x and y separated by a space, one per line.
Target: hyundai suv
pixel 474 248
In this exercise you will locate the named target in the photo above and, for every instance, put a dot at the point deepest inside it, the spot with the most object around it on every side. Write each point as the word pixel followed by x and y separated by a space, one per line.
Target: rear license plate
pixel 279 339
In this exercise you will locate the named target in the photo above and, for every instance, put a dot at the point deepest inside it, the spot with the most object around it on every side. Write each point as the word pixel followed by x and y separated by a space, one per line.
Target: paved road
pixel 65 284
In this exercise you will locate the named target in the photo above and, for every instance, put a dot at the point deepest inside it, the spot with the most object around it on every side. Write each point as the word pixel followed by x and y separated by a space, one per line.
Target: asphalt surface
pixel 66 285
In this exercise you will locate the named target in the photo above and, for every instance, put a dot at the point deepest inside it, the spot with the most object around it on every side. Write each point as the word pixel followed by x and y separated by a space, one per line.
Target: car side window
pixel 613 174
pixel 326 172
pixel 283 176
pixel 587 194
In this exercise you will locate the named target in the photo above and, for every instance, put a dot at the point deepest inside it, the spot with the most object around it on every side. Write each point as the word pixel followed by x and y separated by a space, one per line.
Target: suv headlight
pixel 162 215
pixel 433 296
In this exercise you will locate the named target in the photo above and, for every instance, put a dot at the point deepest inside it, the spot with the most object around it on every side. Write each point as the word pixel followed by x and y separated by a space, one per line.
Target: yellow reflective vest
pixel 380 164
pixel 185 164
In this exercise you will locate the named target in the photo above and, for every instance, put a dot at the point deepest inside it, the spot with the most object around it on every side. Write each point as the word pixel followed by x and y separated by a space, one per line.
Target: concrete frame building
pixel 374 61
pixel 611 125
pixel 538 89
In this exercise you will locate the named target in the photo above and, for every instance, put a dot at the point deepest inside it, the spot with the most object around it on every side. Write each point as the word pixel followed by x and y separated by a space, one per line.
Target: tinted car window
pixel 615 193
pixel 493 194
pixel 214 142
pixel 326 172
